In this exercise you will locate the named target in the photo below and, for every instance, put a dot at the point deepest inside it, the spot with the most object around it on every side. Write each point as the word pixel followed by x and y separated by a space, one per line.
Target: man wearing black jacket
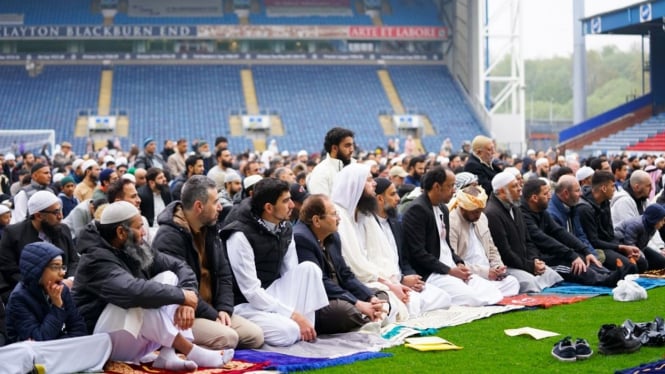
pixel 187 231
pixel 144 299
pixel 352 304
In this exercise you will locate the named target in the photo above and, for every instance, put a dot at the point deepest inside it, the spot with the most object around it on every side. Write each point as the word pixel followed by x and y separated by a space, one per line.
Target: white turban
pixel 117 212
pixel 469 202
pixel 40 201
pixel 584 173
pixel 501 180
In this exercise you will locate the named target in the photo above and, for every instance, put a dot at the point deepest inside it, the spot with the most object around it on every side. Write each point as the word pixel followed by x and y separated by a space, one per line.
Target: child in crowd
pixel 66 195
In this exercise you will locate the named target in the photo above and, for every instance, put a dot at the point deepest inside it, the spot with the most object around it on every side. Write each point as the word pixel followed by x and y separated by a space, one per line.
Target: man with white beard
pixel 364 246
pixel 143 299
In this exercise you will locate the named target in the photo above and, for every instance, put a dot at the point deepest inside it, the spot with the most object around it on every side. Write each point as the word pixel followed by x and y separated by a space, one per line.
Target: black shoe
pixel 564 350
pixel 582 349
pixel 613 339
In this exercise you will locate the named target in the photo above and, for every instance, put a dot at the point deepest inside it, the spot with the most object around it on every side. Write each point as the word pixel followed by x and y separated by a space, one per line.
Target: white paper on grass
pixel 534 333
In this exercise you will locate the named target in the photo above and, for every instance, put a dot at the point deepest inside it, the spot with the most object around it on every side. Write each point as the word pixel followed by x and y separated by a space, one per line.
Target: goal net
pixel 18 141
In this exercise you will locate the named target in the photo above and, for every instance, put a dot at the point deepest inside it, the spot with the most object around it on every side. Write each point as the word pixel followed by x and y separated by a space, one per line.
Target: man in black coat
pixel 427 244
pixel 187 231
pixel 352 304
pixel 155 194
pixel 144 299
pixel 43 224
pixel 480 162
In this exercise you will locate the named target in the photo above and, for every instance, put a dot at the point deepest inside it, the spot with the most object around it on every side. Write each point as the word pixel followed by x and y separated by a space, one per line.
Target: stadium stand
pixel 406 12
pixel 52 12
pixel 630 136
pixel 51 100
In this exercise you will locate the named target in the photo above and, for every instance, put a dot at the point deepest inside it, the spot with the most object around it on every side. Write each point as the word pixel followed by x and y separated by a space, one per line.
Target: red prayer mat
pixel 233 367
pixel 541 300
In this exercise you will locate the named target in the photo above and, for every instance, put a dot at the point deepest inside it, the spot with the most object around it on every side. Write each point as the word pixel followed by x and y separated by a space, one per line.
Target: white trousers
pixel 530 283
pixel 509 286
pixel 300 288
pixel 84 353
pixel 430 298
pixel 478 291
pixel 135 332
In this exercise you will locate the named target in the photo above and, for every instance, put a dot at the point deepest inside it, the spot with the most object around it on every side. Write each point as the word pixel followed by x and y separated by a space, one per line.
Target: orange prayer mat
pixel 233 367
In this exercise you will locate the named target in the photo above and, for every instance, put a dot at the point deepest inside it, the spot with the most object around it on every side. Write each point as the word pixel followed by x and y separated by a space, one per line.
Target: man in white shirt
pixel 339 148
pixel 271 288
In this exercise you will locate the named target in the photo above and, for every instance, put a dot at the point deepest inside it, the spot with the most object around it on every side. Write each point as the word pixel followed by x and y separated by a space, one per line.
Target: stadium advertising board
pixel 57 57
pixel 242 32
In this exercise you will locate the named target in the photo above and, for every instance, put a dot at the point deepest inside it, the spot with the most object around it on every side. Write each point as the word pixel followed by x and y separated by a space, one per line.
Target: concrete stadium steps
pixel 235 124
pixel 391 91
pixel 429 129
pixel 419 146
pixel 243 20
pixel 81 127
pixel 122 126
pixel 630 138
pixel 105 91
pixel 387 125
pixel 249 92
pixel 259 144
pixel 376 21
pixel 276 126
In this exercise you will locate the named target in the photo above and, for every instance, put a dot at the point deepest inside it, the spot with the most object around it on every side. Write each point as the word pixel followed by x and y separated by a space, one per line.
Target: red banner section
pixel 323 32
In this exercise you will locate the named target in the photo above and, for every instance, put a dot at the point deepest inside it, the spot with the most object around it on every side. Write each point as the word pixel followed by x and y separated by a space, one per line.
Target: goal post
pixel 17 141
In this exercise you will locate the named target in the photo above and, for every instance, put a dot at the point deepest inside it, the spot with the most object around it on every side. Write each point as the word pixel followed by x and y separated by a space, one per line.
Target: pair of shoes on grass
pixel 567 351
pixel 651 334
pixel 613 339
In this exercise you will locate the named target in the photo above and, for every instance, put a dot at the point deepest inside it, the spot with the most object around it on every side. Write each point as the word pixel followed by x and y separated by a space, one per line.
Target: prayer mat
pixel 659 274
pixel 287 363
pixel 234 367
pixel 648 368
pixel 540 300
pixel 578 289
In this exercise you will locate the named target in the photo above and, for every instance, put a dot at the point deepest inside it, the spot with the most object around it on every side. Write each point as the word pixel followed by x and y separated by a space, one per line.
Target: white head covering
pixel 513 170
pixel 349 185
pixel 501 180
pixel 10 157
pixel 78 162
pixel 250 181
pixel 131 177
pixel 4 209
pixel 584 173
pixel 40 201
pixel 57 177
pixel 88 164
pixel 231 176
pixel 119 211
pixel 542 161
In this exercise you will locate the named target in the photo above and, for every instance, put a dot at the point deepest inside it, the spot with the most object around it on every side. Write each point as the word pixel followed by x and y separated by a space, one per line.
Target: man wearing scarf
pixel 470 236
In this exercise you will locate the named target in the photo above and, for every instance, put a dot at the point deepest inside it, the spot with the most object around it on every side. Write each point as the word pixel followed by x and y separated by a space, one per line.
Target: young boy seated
pixel 41 313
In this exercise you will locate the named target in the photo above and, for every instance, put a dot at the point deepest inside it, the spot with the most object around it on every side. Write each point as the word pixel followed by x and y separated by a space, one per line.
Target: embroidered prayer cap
pixel 40 201
pixel 251 181
pixel 501 180
pixel 120 211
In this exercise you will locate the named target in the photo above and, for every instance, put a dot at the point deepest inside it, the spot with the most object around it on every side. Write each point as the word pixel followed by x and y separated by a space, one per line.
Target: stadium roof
pixel 636 19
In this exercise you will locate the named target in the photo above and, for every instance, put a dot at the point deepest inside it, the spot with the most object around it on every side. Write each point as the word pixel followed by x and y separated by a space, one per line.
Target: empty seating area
pixel 430 90
pixel 53 12
pixel 405 12
pixel 628 138
pixel 195 102
pixel 168 102
pixel 51 100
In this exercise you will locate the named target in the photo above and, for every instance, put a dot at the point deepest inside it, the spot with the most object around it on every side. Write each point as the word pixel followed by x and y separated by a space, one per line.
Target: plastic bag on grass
pixel 628 290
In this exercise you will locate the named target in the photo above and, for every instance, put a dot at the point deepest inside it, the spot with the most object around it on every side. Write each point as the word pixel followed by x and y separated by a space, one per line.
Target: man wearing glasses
pixel 43 225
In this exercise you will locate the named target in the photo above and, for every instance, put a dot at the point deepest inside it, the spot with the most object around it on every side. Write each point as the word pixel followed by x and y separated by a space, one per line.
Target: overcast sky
pixel 548 27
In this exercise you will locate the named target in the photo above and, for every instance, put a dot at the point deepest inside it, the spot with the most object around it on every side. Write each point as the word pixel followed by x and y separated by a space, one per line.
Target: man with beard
pixel 144 299
pixel 86 188
pixel 271 288
pixel 339 146
pixel 106 178
pixel 511 237
pixel 187 231
pixel 352 304
pixel 193 166
pixel 155 195
pixel 415 171
pixel 424 298
pixel 568 255
pixel 224 166
pixel 44 224
pixel 470 236
pixel 176 161
pixel 125 190
pixel 480 162
pixel 427 244
pixel 230 194
pixel 40 178
pixel 203 150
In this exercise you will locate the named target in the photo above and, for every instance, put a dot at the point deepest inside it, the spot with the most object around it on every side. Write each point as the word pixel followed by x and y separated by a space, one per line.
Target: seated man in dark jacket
pixel 41 309
pixel 144 299
pixel 352 304
pixel 566 254
pixel 188 232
